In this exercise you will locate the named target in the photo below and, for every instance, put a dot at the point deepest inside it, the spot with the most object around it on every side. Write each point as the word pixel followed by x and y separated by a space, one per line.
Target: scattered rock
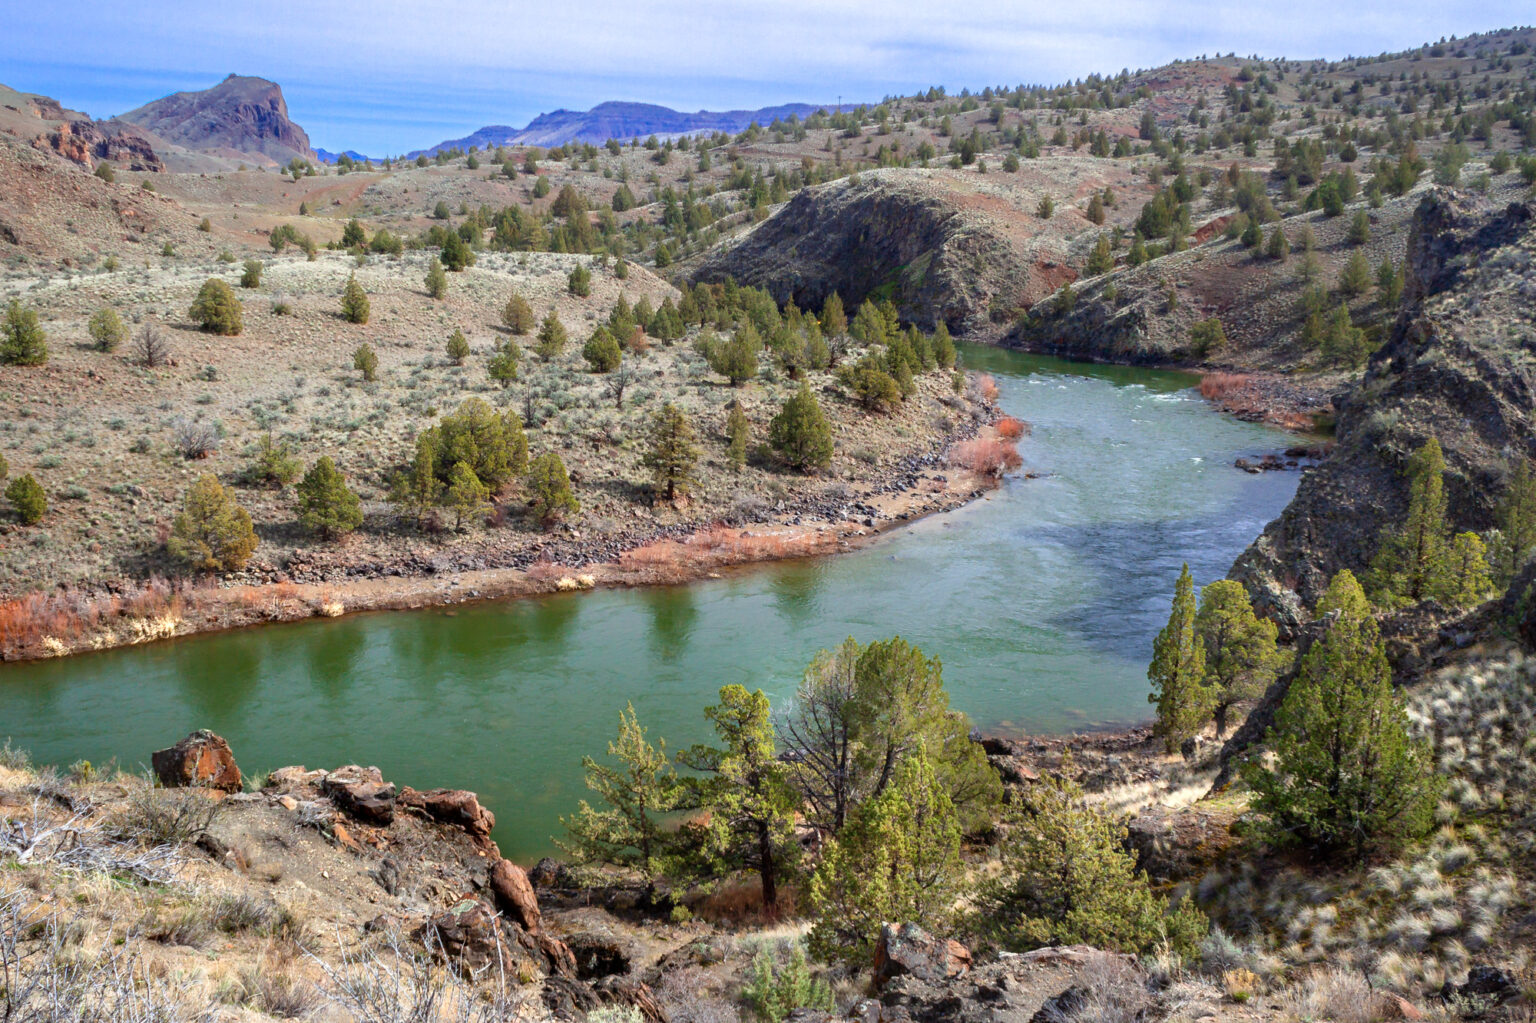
pixel 201 760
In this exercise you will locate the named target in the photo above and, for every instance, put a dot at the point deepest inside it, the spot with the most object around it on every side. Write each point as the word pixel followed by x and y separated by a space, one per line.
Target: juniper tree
pixel 494 445
pixel 549 490
pixel 466 495
pixel 1467 580
pixel 898 858
pixel 1516 519
pixel 738 435
pixel 456 253
pixel 943 346
pixel 457 347
pixel 672 454
pixel 354 302
pixel 437 279
pixel 250 274
pixel 1346 777
pixel 552 337
pixel 211 533
pixel 517 316
pixel 834 321
pixel 326 505
pixel 1355 278
pixel 579 283
pixel 1360 228
pixel 745 790
pixel 366 361
pixel 641 791
pixel 504 360
pixel 27 497
pixel 353 235
pixel 1241 657
pixel 1409 566
pixel 274 463
pixel 1278 247
pixel 800 432
pixel 736 357
pixel 415 490
pixel 1101 260
pixel 1177 671
pixel 107 329
pixel 216 309
pixel 601 351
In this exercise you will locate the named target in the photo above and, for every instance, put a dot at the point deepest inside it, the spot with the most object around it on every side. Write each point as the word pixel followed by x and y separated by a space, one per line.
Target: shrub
pixel 274 463
pixel 503 365
pixel 154 816
pixel 986 457
pixel 194 438
pixel 457 347
pixel 216 309
pixel 800 432
pixel 326 505
pixel 107 329
pixel 27 497
pixel 549 490
pixel 150 345
pixel 1207 337
pixel 22 342
pixel 778 986
pixel 212 532
pixel 366 361
pixel 602 352
pixel 1010 428
pixel 105 172
pixel 354 302
pixel 250 276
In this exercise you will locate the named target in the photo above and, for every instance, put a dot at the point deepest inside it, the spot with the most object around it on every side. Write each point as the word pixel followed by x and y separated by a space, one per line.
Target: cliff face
pixel 241 116
pixel 51 127
pixel 1459 364
pixel 939 246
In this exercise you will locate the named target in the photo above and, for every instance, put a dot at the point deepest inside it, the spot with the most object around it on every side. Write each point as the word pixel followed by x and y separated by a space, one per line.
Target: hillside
pixel 240 118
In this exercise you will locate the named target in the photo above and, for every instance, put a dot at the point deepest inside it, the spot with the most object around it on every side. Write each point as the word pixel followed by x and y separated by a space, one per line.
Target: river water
pixel 1042 600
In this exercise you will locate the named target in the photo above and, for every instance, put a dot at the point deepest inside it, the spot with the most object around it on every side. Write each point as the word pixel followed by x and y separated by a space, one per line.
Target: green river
pixel 1041 599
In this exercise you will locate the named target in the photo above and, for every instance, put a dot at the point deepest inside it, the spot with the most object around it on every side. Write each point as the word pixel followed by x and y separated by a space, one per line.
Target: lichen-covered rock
pixel 907 949
pixel 361 792
pixel 201 760
pixel 457 807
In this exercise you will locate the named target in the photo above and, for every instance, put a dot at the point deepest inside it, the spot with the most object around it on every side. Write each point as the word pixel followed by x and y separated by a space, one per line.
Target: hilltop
pixel 238 119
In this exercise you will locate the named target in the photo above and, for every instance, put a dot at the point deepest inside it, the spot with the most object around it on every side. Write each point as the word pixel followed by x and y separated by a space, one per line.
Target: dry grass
pixel 1216 386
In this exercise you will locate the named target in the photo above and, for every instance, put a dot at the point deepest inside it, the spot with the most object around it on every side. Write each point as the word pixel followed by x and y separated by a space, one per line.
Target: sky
pixel 387 76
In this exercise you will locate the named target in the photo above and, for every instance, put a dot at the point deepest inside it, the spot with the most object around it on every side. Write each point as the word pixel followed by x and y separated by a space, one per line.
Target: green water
pixel 1041 599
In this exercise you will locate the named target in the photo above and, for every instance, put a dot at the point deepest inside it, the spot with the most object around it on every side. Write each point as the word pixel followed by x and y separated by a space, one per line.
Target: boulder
pixel 201 760
pixel 547 873
pixel 1486 983
pixel 598 955
pixel 467 934
pixel 456 807
pixel 907 949
pixel 362 793
pixel 514 895
pixel 1172 845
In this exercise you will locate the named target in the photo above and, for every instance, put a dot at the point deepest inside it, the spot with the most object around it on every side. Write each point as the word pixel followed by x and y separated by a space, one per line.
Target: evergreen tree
pixel 457 347
pixel 898 858
pixel 326 505
pixel 494 445
pixel 736 357
pixel 602 352
pixel 800 432
pixel 1278 247
pixel 1253 235
pixel 354 302
pixel 1355 278
pixel 366 361
pixel 216 309
pixel 1467 579
pixel 466 495
pixel 503 365
pixel 518 315
pixel 1241 658
pixel 552 337
pixel 1177 671
pixel 868 325
pixel 1346 777
pixel 107 329
pixel 738 435
pixel 579 282
pixel 834 322
pixel 1101 260
pixel 456 253
pixel 943 346
pixel 416 490
pixel 744 788
pixel 1409 566
pixel 672 454
pixel 1360 228
pixel 549 490
pixel 1096 209
pixel 27 497
pixel 353 236
pixel 211 533
pixel 250 274
pixel 1516 518
pixel 641 790
pixel 1067 878
pixel 274 463
pixel 437 279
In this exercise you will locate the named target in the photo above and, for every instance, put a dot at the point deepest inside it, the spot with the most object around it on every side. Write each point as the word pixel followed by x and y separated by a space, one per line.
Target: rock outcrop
pixel 942 246
pixel 906 950
pixel 1457 366
pixel 201 760
pixel 241 116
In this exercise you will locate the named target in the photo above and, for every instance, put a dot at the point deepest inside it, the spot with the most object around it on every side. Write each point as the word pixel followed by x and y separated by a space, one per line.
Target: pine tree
pixel 212 533
pixel 800 432
pixel 672 454
pixel 552 337
pixel 466 495
pixel 354 302
pixel 744 788
pixel 503 365
pixel 216 309
pixel 27 497
pixel 457 347
pixel 898 858
pixel 437 279
pixel 549 490
pixel 326 505
pixel 1347 777
pixel 366 361
pixel 738 435
pixel 641 791
pixel 1241 658
pixel 107 329
pixel 518 315
pixel 1409 567
pixel 1067 878
pixel 1177 671
pixel 416 490
pixel 1516 519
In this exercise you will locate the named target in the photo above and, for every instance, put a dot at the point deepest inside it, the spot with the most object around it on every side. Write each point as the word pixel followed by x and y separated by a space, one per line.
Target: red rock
pixel 514 895
pixel 201 760
pixel 457 807
pixel 908 949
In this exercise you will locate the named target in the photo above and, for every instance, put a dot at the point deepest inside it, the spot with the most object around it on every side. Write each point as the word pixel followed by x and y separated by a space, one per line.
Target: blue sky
pixel 385 76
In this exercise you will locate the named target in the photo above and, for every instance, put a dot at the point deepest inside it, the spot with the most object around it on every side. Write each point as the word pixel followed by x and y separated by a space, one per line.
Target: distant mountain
pixel 614 120
pixel 326 156
pixel 240 117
